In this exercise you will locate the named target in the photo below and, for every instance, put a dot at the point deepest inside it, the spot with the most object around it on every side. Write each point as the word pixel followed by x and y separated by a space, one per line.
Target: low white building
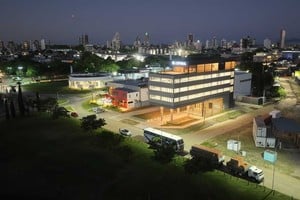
pixel 262 132
pixel 88 81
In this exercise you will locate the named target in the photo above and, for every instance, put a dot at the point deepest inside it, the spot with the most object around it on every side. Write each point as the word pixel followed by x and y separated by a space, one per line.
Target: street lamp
pixel 20 68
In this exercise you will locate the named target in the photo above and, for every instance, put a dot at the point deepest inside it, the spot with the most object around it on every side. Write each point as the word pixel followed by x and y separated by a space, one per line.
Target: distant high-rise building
pixel 267 43
pixel 223 43
pixel 84 39
pixel 11 46
pixel 214 43
pixel 282 38
pixel 198 45
pixel 36 45
pixel 190 40
pixel 1 45
pixel 207 44
pixel 26 45
pixel 247 42
pixel 108 44
pixel 116 42
pixel 43 44
pixel 147 39
pixel 137 43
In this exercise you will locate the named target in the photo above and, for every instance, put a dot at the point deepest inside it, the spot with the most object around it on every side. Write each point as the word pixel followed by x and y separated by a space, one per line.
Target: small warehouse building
pixel 262 132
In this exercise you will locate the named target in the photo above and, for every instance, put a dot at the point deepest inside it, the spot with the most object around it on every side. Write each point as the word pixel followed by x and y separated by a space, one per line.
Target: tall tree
pixel 12 109
pixel 91 122
pixel 38 102
pixel 60 112
pixel 7 115
pixel 20 101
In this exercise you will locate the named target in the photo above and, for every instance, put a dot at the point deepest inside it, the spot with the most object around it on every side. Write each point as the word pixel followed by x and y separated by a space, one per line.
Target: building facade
pixel 202 87
pixel 125 98
pixel 242 84
pixel 88 81
pixel 128 94
pixel 262 132
pixel 282 38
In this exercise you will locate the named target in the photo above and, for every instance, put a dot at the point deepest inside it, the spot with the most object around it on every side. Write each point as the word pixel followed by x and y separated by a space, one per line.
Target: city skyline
pixel 165 21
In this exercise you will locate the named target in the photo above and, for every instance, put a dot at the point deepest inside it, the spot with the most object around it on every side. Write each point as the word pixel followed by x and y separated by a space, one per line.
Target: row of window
pixel 191 78
pixel 190 88
pixel 192 96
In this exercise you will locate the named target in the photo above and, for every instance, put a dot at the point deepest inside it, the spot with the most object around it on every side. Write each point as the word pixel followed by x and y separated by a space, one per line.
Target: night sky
pixel 63 21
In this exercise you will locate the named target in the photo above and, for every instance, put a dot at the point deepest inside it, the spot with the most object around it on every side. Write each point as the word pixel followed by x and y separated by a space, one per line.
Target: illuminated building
pixel 198 86
pixel 88 81
pixel 128 94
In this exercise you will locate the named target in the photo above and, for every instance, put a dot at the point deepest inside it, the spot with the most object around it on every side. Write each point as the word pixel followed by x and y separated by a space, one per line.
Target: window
pixel 214 66
pixel 207 67
pixel 200 68
pixel 166 80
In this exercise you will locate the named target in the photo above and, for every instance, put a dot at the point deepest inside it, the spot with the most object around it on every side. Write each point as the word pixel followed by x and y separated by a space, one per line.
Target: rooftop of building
pixel 286 125
pixel 142 82
pixel 125 89
pixel 85 75
pixel 207 58
pixel 238 72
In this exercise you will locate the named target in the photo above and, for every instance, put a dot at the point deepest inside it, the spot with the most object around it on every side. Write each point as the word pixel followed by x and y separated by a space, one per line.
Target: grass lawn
pixel 87 105
pixel 253 154
pixel 43 158
pixel 53 87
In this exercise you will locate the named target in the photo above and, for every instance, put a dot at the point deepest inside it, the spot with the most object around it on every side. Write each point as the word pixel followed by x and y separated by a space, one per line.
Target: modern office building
pixel 197 86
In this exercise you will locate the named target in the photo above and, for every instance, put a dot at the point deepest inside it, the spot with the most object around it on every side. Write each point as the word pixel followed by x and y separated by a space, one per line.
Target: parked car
pixel 124 131
pixel 98 110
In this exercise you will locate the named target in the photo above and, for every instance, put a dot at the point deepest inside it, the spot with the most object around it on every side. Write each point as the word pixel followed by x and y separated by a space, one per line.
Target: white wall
pixel 242 84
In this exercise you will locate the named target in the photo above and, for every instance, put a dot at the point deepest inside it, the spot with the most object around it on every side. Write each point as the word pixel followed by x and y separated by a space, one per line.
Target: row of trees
pixel 88 62
pixel 262 77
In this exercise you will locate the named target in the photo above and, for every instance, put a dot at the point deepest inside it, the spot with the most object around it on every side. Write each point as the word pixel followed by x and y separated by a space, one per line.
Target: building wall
pixel 88 82
pixel 119 98
pixel 242 84
pixel 133 100
pixel 143 93
pixel 179 90
pixel 260 135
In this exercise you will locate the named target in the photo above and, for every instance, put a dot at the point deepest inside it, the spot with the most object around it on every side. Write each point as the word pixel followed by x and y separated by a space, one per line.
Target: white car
pixel 124 131
pixel 98 110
